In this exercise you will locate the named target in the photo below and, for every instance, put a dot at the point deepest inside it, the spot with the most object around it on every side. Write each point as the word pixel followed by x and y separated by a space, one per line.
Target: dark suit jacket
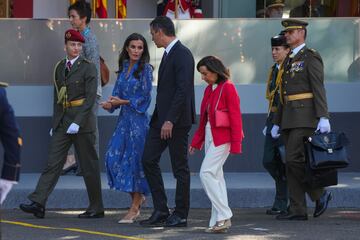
pixel 10 139
pixel 305 74
pixel 81 82
pixel 175 100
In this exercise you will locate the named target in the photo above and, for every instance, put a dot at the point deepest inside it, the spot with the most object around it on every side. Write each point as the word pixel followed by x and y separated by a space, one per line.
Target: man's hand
pixel 5 187
pixel 106 105
pixel 166 130
pixel 73 129
pixel 323 125
pixel 275 132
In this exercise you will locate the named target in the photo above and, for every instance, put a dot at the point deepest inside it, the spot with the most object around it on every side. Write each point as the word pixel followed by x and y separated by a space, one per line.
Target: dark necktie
pixel 164 56
pixel 68 68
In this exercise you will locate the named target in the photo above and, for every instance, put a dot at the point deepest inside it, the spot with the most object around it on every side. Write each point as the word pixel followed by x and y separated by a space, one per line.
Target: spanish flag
pixel 121 8
pixel 101 8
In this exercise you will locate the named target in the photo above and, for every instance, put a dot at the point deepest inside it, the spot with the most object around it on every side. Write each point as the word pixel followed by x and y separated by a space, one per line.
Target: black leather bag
pixel 318 178
pixel 327 151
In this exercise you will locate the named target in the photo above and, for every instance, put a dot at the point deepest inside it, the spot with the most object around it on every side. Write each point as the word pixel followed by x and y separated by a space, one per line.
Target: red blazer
pixel 229 100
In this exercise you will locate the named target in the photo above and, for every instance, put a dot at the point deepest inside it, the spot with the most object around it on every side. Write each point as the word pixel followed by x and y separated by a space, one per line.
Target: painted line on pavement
pixel 72 230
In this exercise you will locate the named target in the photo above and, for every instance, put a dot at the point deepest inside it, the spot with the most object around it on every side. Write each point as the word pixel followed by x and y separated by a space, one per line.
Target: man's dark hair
pixel 165 24
pixel 83 8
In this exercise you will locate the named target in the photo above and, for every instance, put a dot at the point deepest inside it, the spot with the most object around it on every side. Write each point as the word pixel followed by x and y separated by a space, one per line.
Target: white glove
pixel 275 131
pixel 50 133
pixel 323 125
pixel 264 130
pixel 5 187
pixel 73 129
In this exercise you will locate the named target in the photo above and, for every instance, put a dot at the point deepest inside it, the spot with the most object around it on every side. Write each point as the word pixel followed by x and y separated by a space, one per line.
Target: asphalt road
pixel 248 223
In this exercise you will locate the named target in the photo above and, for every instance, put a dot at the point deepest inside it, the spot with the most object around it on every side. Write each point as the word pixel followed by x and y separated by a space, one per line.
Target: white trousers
pixel 212 178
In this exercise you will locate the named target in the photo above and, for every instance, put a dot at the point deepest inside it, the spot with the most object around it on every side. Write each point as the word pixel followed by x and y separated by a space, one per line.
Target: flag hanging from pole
pixel 121 8
pixel 101 8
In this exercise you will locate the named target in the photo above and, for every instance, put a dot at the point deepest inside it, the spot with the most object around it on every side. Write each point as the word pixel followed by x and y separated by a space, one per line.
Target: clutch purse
pixel 221 116
pixel 327 150
pixel 104 72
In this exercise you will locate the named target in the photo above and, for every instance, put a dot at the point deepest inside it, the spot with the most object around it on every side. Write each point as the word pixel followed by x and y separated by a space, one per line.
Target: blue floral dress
pixel 124 152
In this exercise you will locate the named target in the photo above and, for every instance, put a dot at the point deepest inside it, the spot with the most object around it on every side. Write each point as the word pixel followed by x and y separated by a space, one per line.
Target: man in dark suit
pixel 11 141
pixel 75 80
pixel 170 125
pixel 304 111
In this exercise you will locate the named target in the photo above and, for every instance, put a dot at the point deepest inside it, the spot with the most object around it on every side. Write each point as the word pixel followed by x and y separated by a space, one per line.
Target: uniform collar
pixel 297 49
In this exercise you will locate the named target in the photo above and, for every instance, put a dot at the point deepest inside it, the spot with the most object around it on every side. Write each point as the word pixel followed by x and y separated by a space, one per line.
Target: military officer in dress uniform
pixel 304 111
pixel 272 157
pixel 75 85
pixel 11 141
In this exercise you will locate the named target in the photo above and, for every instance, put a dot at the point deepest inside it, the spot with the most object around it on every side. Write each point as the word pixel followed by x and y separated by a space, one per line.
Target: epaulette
pixel 312 50
pixel 86 60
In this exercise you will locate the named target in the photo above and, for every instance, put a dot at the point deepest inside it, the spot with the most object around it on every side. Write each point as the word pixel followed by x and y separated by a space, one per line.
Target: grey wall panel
pixel 342 97
pixel 35 131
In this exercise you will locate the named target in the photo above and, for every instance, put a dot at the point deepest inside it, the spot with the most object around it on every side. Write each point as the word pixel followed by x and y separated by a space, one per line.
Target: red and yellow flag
pixel 101 8
pixel 121 8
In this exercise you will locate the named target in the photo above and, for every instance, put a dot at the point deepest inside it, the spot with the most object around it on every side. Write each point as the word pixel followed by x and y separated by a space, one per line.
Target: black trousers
pixel 276 168
pixel 154 147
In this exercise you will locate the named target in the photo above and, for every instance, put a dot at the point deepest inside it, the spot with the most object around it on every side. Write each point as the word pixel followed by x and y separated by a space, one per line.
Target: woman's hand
pixel 106 105
pixel 115 101
pixel 191 150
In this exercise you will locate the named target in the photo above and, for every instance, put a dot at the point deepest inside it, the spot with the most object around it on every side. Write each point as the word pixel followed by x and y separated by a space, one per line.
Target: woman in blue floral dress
pixel 132 94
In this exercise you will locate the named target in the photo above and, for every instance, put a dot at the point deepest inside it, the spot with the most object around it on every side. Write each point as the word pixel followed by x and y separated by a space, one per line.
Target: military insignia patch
pixel 297 66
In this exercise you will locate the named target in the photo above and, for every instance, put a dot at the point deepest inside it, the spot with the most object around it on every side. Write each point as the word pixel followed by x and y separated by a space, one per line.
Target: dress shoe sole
pixel 176 225
pixel 36 214
pixel 324 209
pixel 293 219
pixel 94 216
pixel 272 213
pixel 158 224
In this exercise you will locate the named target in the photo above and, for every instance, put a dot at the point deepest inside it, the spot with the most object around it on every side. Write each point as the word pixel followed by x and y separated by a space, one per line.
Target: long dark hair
pixel 124 55
pixel 214 65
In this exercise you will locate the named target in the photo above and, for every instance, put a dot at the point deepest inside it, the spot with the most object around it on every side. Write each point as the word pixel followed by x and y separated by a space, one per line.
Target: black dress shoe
pixel 69 169
pixel 87 214
pixel 275 211
pixel 175 221
pixel 290 216
pixel 322 204
pixel 157 218
pixel 35 208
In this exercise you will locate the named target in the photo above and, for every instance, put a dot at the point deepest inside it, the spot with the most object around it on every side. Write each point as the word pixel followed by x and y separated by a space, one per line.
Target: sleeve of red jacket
pixel 233 103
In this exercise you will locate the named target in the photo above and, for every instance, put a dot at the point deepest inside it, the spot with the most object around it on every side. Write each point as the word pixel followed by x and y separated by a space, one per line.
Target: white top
pixel 168 48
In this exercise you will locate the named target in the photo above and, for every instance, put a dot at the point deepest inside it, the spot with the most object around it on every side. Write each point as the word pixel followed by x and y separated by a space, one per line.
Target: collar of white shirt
pixel 297 49
pixel 168 48
pixel 72 60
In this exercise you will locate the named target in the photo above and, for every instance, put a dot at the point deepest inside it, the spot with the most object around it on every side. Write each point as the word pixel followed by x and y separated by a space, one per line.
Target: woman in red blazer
pixel 219 142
